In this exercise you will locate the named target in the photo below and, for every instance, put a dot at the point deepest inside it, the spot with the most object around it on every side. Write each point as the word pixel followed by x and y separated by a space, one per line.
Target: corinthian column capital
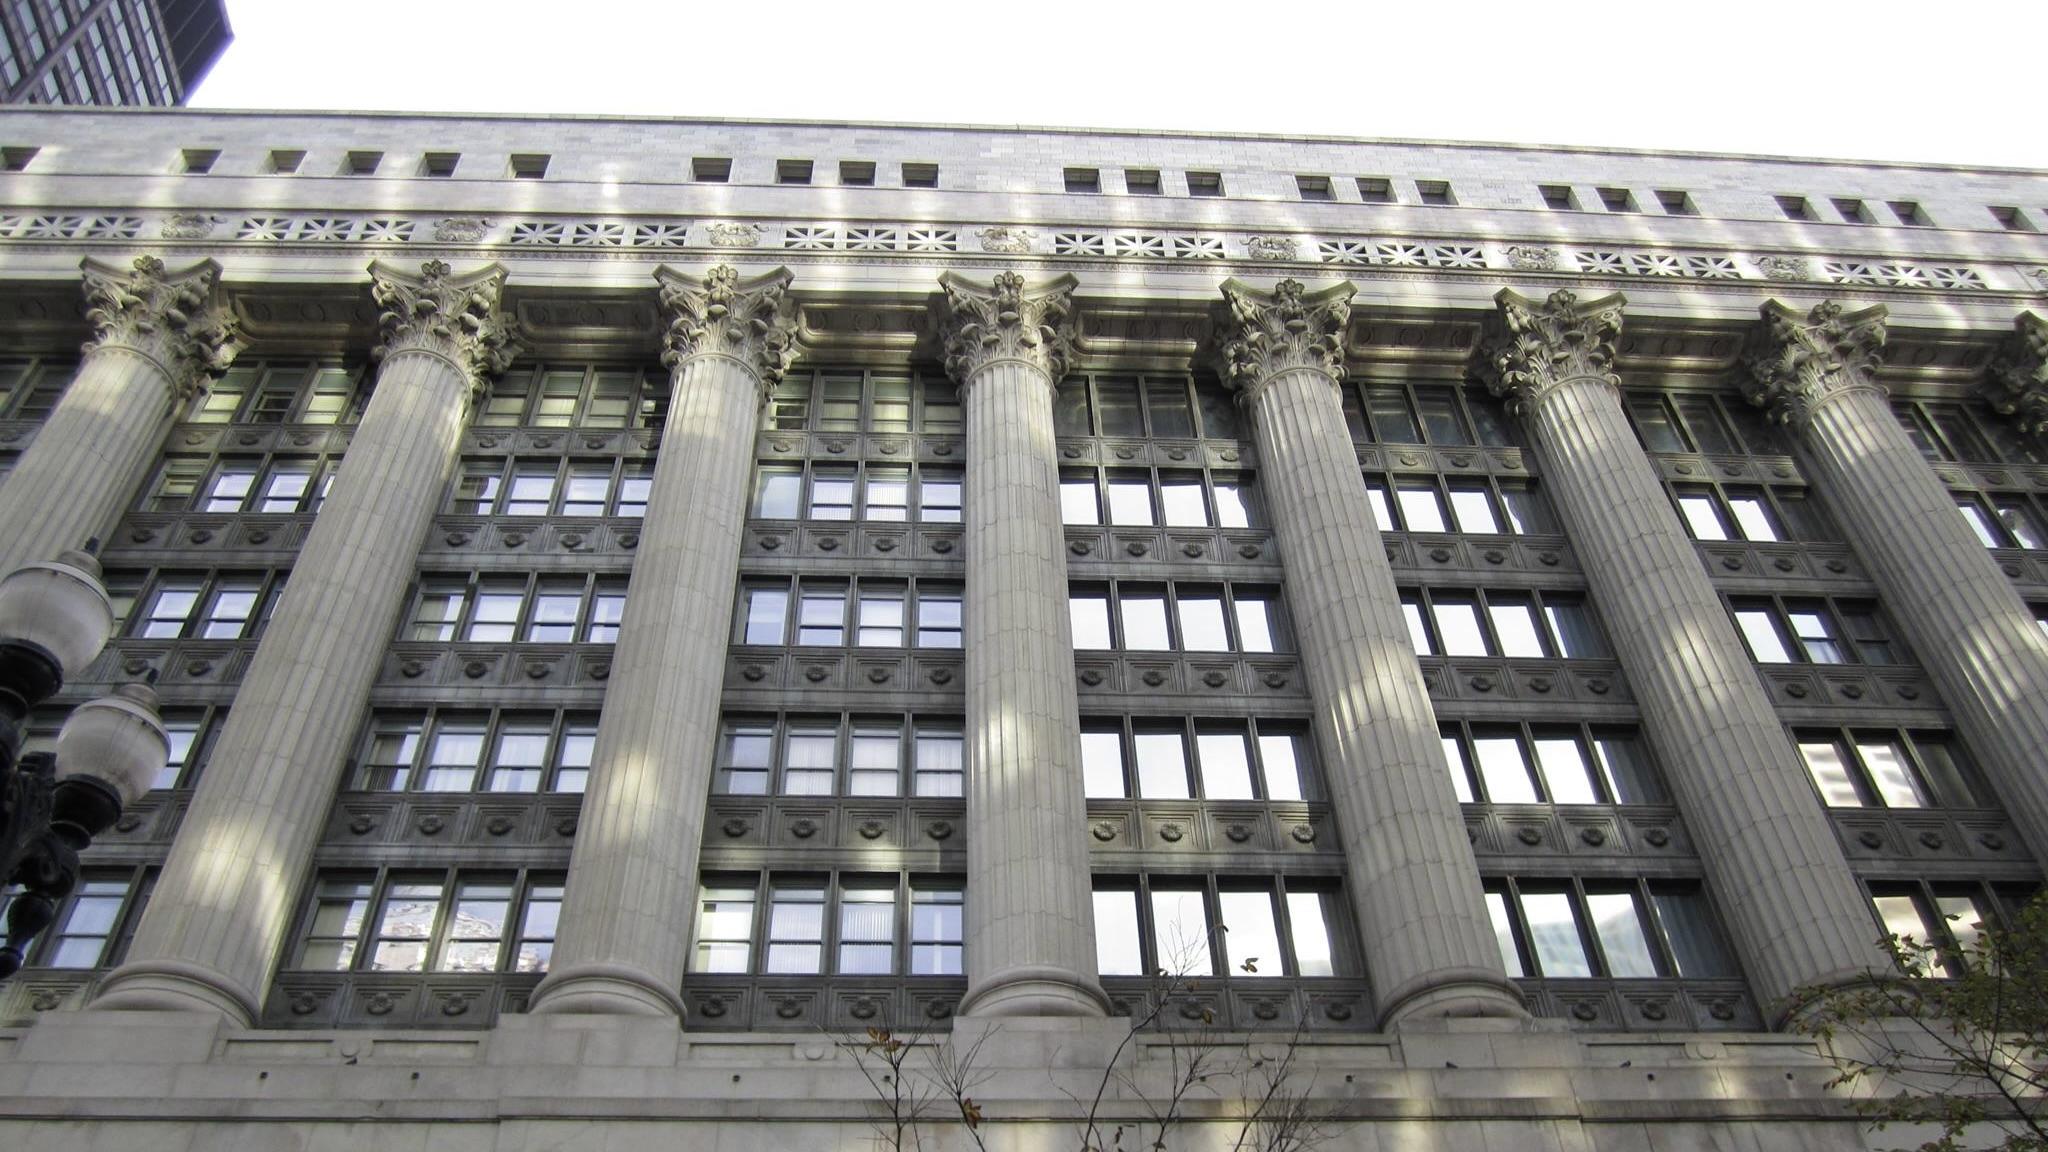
pixel 1261 335
pixel 173 318
pixel 2017 384
pixel 1532 347
pixel 454 317
pixel 751 321
pixel 1006 322
pixel 1795 365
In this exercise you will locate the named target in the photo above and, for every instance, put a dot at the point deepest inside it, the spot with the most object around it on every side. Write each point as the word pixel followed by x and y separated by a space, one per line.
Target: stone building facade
pixel 641 603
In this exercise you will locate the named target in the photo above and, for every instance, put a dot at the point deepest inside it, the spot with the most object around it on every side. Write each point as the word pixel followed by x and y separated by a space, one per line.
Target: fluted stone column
pixel 1971 631
pixel 1429 943
pixel 1776 870
pixel 1030 937
pixel 217 919
pixel 624 936
pixel 157 337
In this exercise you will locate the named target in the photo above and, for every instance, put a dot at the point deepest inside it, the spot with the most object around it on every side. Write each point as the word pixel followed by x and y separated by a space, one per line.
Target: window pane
pixel 1626 769
pixel 1754 517
pixel 1620 929
pixel 1102 765
pixel 1144 619
pixel 1688 924
pixel 1559 951
pixel 1251 935
pixel 832 496
pixel 1418 634
pixel 936 930
pixel 1980 523
pixel 807 762
pixel 1226 765
pixel 2018 521
pixel 1281 757
pixel 1130 502
pixel 1162 765
pixel 1201 623
pixel 796 926
pixel 1514 625
pixel 1571 625
pixel 1474 510
pixel 1180 923
pixel 1391 420
pixel 1505 772
pixel 1077 502
pixel 520 759
pixel 776 492
pixel 1461 774
pixel 1564 770
pixel 867 931
pixel 1117 405
pixel 1254 623
pixel 1765 646
pixel 747 756
pixel 1815 639
pixel 880 619
pixel 1896 784
pixel 725 930
pixel 1231 510
pixel 1171 416
pixel 1830 775
pixel 1504 933
pixel 940 768
pixel 496 617
pixel 821 616
pixel 1382 511
pixel 1901 917
pixel 1701 517
pixel 1527 512
pixel 1440 417
pixel 1116 934
pixel 1655 427
pixel 874 757
pixel 1089 615
pixel 1182 502
pixel 1457 622
pixel 938 499
pixel 1310 928
pixel 1422 510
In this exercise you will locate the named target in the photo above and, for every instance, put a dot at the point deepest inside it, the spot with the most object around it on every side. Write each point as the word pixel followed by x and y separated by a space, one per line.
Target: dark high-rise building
pixel 142 52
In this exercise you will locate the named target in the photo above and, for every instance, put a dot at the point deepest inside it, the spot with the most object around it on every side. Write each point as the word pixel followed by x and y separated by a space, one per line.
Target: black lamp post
pixel 54 619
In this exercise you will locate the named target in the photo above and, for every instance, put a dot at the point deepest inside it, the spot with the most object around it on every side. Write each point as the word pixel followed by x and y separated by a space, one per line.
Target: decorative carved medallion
pixel 1531 258
pixel 1782 267
pixel 727 235
pixel 1261 335
pixel 174 318
pixel 2017 384
pixel 461 229
pixel 1795 365
pixel 1533 347
pixel 453 316
pixel 1006 241
pixel 1271 247
pixel 752 321
pixel 1004 322
pixel 189 226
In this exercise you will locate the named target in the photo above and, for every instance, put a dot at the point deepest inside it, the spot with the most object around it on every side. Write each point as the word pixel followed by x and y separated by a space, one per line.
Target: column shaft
pixel 1772 860
pixel 217 918
pixel 1966 622
pixel 1429 943
pixel 626 915
pixel 1030 926
pixel 89 458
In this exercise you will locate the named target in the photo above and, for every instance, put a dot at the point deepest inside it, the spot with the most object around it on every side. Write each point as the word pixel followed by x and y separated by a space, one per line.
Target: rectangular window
pixel 809 757
pixel 1314 187
pixel 1375 190
pixel 1676 202
pixel 767 610
pixel 725 930
pixel 1162 765
pixel 937 929
pixel 341 906
pixel 938 618
pixel 796 930
pixel 1142 181
pixel 1558 197
pixel 745 753
pixel 1205 183
pixel 857 173
pixel 821 614
pixel 874 762
pixel 920 175
pixel 84 935
pixel 792 171
pixel 867 930
pixel 1436 192
pixel 1102 764
pixel 940 769
pixel 1083 179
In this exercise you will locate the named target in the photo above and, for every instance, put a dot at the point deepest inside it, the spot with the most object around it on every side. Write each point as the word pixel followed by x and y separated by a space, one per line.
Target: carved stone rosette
pixel 455 317
pixel 1532 347
pixel 1795 365
pixel 1007 322
pixel 1261 335
pixel 752 321
pixel 2017 383
pixel 176 319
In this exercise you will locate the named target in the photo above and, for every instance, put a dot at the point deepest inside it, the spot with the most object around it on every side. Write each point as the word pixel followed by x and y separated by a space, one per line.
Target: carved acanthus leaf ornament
pixel 1263 334
pixel 174 318
pixel 1533 346
pixel 1005 321
pixel 453 316
pixel 752 321
pixel 1797 364
pixel 2017 384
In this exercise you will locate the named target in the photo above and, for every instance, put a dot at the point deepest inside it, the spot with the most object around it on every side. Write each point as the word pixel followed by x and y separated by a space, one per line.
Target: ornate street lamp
pixel 54 619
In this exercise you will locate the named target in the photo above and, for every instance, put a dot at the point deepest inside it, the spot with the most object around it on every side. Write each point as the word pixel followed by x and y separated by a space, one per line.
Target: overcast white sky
pixel 1959 81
